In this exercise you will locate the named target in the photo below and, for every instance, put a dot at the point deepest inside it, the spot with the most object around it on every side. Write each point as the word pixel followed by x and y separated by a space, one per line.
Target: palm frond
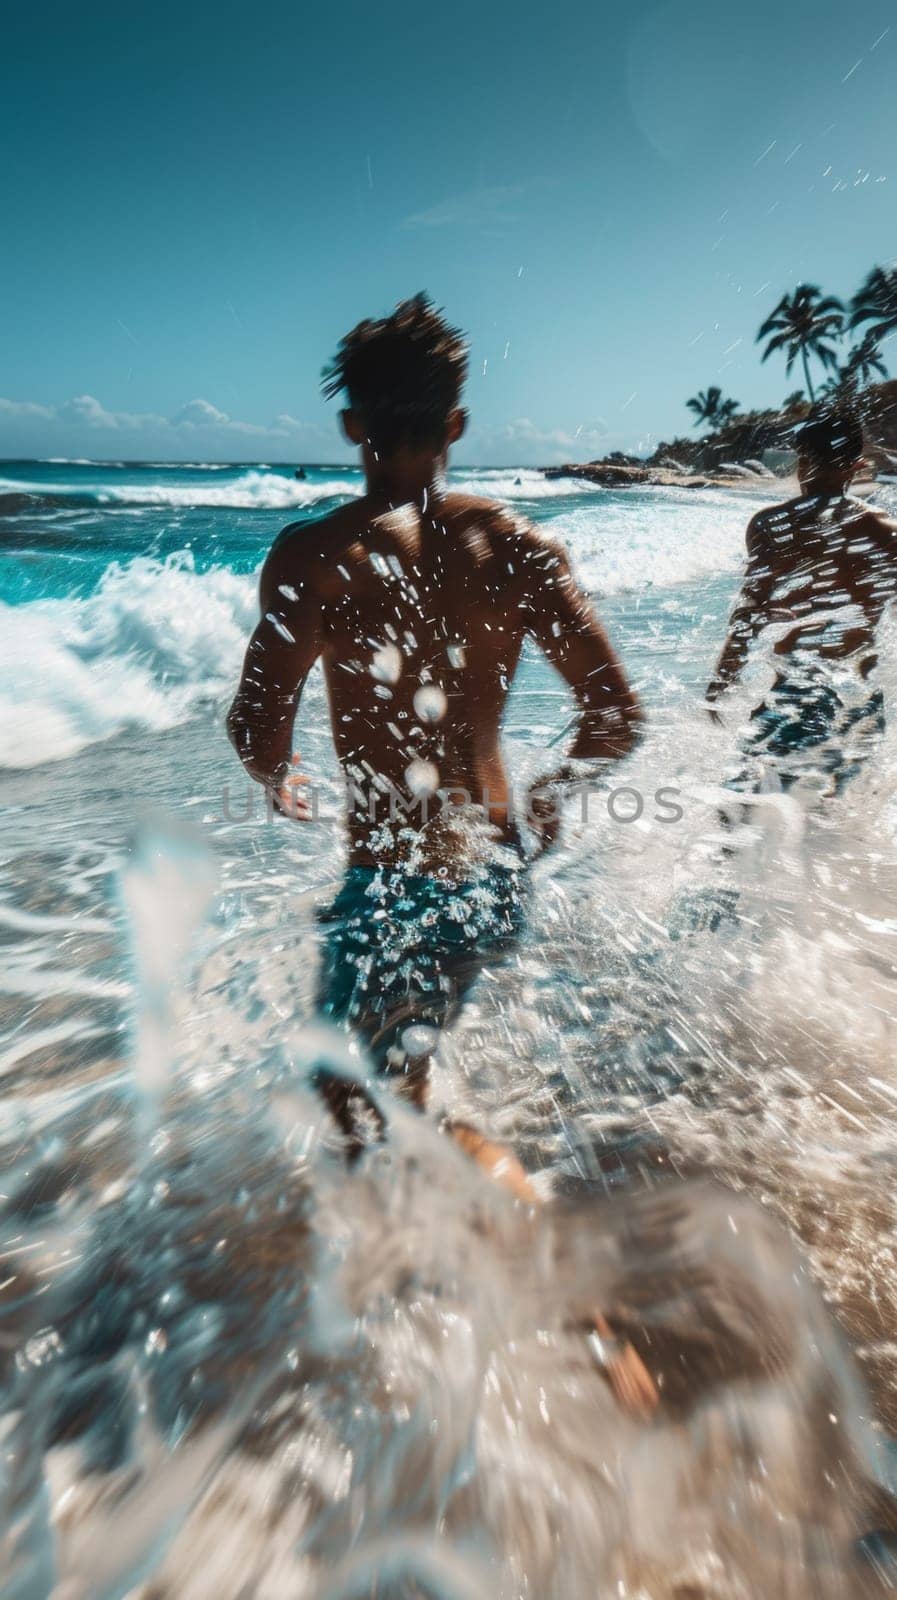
pixel 777 342
pixel 876 299
pixel 772 321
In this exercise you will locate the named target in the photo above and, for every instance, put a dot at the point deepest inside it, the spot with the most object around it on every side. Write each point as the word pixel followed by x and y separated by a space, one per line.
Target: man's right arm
pixel 281 653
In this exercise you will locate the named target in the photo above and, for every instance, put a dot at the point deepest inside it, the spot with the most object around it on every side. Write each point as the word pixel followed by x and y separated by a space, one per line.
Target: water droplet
pixel 419 1039
pixel 430 704
pixel 386 665
pixel 422 777
pixel 281 627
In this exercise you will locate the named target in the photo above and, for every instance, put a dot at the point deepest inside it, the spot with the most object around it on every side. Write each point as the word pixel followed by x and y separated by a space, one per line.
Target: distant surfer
pixel 300 474
pixel 418 600
pixel 821 568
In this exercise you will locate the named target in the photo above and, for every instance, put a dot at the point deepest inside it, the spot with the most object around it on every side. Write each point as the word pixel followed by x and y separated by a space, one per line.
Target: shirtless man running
pixel 418 601
pixel 827 563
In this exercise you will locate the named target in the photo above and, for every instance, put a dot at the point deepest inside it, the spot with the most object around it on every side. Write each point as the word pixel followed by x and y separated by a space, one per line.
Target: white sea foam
pixel 516 483
pixel 159 637
pixel 253 491
pixel 656 537
pixel 153 641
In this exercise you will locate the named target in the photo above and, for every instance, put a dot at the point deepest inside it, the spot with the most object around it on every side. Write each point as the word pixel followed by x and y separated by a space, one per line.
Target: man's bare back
pixel 830 564
pixel 821 569
pixel 419 613
pixel 824 560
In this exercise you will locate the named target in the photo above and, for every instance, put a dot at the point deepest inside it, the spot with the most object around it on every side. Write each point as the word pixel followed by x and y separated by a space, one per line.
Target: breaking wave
pixel 154 641
pixel 157 637
pixel 252 491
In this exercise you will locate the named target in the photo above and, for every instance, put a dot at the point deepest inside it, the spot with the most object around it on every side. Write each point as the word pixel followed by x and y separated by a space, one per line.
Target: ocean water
pixel 231 1368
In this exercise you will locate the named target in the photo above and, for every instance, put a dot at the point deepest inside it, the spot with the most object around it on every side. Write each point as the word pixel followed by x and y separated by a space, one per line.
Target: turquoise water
pixel 239 1370
pixel 140 577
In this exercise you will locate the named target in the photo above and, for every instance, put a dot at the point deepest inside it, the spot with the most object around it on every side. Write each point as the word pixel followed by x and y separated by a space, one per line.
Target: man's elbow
pixel 233 723
pixel 238 728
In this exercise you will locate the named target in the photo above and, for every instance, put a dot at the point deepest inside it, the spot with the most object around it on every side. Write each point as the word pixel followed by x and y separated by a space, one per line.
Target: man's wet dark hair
pixel 402 374
pixel 831 438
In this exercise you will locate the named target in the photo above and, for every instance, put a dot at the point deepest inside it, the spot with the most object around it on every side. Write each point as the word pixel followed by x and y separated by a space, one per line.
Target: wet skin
pixel 419 606
pixel 419 613
pixel 810 559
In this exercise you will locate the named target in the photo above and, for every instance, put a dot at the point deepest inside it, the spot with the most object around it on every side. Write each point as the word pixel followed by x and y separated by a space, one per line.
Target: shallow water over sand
pixel 231 1368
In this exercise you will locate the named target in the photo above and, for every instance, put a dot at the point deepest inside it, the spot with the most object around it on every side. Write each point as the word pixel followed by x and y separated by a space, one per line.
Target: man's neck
pixel 405 478
pixel 824 487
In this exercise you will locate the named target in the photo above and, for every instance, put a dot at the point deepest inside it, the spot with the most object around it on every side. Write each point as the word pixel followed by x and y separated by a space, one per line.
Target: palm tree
pixel 801 325
pixel 876 302
pixel 709 406
pixel 864 361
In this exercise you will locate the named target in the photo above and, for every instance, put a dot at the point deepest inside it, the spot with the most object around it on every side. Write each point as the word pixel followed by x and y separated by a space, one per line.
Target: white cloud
pixel 199 414
pixel 202 414
pixel 26 408
pixel 84 426
pixel 85 408
pixel 527 443
pixel 78 427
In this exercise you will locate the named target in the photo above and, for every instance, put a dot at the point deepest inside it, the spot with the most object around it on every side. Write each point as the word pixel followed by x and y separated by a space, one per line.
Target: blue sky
pixel 201 199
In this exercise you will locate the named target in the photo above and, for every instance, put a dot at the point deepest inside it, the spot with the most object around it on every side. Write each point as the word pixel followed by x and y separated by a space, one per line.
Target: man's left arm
pixel 883 539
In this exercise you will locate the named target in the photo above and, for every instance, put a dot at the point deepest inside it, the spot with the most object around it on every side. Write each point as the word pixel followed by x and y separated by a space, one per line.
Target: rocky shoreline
pixel 616 475
pixel 746 452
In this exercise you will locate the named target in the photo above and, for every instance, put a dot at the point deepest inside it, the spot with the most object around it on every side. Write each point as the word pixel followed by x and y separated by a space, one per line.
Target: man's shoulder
pixel 294 562
pixel 772 523
pixel 506 528
pixel 867 520
pixel 314 537
pixel 863 508
pixel 776 512
pixel 461 507
pixel 340 521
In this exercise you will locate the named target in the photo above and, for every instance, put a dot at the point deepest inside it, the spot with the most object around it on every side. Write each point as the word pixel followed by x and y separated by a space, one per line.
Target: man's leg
pixel 618 1361
pixel 347 971
pixel 860 732
pixel 437 956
